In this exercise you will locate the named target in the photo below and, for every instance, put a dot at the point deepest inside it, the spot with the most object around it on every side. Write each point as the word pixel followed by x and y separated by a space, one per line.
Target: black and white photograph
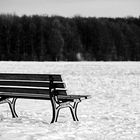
pixel 69 69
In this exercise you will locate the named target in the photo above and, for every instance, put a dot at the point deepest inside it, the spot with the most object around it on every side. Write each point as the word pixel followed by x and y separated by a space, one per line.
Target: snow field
pixel 113 112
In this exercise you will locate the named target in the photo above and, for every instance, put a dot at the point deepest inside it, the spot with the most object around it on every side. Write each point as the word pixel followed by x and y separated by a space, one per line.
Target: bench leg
pixel 73 110
pixel 56 109
pixel 12 107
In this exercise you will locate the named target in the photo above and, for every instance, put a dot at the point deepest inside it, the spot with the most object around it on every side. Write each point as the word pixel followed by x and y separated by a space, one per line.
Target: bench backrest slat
pixel 28 96
pixel 29 90
pixel 36 77
pixel 30 83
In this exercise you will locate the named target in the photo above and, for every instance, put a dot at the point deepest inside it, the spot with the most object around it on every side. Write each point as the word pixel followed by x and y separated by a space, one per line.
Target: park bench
pixel 38 86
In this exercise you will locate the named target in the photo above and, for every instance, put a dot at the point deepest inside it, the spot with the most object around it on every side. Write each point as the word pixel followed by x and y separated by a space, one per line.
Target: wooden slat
pixel 69 97
pixel 61 92
pixel 29 90
pixel 37 96
pixel 28 96
pixel 36 77
pixel 43 96
pixel 30 84
pixel 23 90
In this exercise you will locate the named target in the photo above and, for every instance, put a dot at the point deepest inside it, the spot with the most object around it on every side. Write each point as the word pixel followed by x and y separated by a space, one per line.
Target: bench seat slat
pixel 39 77
pixel 43 96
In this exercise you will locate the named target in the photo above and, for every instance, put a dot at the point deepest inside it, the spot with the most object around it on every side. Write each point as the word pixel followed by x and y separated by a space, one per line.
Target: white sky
pixel 68 8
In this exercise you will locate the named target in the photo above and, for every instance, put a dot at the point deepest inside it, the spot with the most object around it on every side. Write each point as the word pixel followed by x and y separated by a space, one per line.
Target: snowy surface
pixel 113 112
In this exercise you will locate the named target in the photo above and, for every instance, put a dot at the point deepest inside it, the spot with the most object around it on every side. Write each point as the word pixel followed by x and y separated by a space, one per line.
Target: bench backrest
pixel 31 83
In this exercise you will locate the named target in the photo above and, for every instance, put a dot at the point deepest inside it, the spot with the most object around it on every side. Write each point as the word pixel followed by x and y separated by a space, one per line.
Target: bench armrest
pixel 72 97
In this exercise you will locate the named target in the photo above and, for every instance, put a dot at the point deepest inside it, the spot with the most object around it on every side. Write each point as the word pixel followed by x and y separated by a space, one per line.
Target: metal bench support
pixel 56 106
pixel 12 106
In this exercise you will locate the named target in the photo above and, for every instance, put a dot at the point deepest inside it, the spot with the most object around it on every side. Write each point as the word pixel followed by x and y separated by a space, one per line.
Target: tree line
pixel 56 38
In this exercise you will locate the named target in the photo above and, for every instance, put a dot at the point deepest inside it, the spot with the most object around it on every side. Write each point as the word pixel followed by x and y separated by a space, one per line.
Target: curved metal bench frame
pixel 11 105
pixel 56 106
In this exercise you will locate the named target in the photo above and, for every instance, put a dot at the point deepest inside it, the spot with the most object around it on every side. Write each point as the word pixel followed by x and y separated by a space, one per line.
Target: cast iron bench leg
pixel 56 109
pixel 73 110
pixel 12 107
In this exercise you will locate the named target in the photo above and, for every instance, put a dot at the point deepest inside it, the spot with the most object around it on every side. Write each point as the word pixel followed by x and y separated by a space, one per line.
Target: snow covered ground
pixel 113 112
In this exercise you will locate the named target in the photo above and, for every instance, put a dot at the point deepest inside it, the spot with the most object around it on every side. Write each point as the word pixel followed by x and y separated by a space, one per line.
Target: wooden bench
pixel 38 86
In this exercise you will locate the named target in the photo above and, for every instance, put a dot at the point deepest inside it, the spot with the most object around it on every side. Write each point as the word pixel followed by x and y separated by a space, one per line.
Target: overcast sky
pixel 68 8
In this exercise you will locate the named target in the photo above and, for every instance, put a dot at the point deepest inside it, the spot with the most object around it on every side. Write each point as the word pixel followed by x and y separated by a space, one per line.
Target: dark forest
pixel 56 38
